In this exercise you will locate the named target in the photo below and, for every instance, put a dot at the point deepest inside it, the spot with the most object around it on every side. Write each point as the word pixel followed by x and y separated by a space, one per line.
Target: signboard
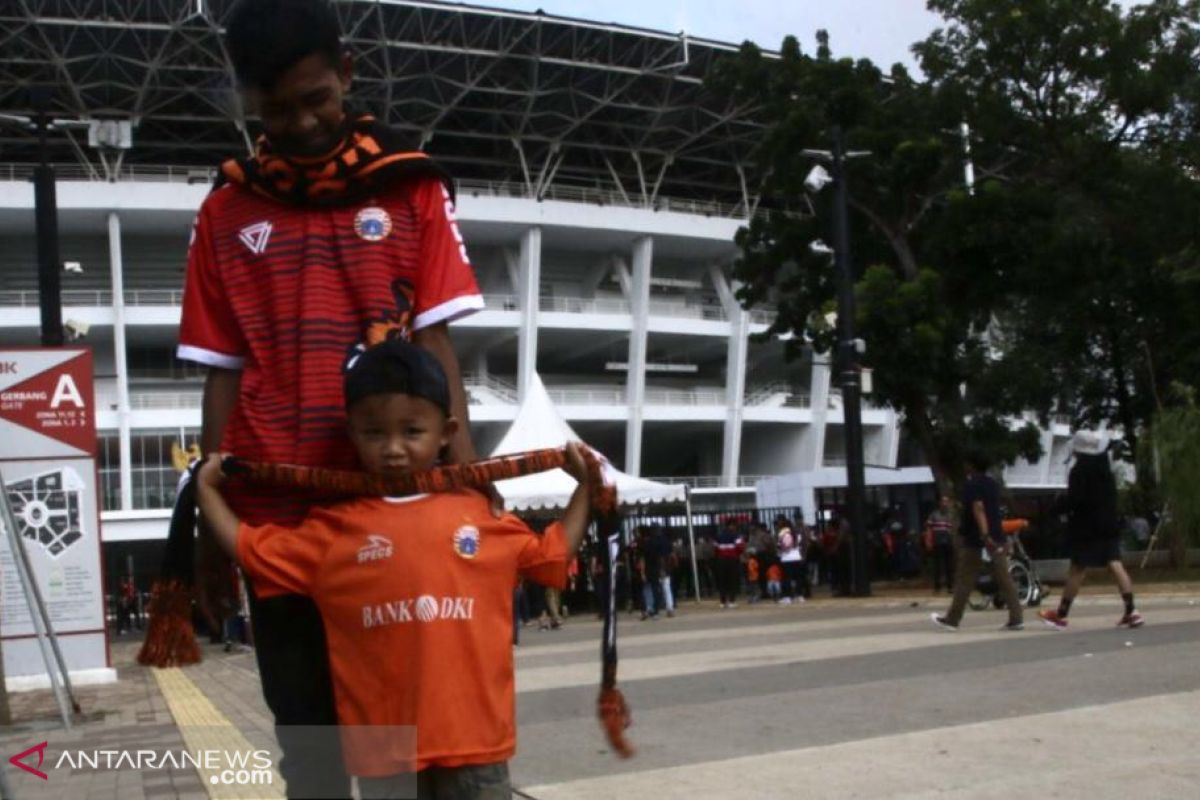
pixel 47 460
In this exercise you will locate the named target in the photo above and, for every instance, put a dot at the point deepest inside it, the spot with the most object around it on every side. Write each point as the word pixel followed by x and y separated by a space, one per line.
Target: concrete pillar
pixel 635 386
pixel 529 278
pixel 117 267
pixel 735 395
pixel 735 375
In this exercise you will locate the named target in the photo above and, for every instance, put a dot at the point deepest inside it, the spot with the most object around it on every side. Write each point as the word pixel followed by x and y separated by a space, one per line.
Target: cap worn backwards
pixel 395 366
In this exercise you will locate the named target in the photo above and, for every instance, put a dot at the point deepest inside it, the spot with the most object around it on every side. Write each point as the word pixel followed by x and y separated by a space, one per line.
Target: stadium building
pixel 599 190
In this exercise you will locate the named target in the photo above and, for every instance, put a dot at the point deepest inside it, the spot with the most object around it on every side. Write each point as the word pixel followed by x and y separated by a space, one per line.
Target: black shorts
pixel 1094 553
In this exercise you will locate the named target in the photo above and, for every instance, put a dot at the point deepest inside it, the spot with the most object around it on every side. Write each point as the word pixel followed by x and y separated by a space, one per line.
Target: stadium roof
pixel 543 103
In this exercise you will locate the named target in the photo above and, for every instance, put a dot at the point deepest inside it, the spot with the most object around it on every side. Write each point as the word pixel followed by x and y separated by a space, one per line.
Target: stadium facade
pixel 599 190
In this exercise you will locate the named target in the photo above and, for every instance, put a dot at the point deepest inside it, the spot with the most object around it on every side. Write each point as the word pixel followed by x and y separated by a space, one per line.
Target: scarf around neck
pixel 370 158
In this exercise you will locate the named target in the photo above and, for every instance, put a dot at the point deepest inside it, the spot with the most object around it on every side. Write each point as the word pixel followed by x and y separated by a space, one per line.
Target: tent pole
pixel 687 504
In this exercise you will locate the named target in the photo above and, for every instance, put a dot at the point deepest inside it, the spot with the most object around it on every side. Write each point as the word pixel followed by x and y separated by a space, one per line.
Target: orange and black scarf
pixel 370 158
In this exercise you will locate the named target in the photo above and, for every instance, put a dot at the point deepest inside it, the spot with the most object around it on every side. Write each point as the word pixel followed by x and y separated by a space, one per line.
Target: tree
pixel 1177 457
pixel 1097 109
pixel 1064 281
pixel 934 305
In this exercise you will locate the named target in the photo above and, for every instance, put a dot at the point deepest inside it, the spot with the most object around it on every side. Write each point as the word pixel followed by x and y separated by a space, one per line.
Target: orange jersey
pixel 416 596
pixel 775 573
pixel 752 569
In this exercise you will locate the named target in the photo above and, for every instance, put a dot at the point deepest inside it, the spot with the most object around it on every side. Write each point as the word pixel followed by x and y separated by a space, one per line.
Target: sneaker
pixel 1133 620
pixel 1013 626
pixel 724 605
pixel 670 613
pixel 1051 618
pixel 800 600
pixel 940 621
pixel 785 601
pixel 733 605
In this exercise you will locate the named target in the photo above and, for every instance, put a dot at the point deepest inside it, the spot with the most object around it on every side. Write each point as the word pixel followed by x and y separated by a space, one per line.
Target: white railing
pixel 157 173
pixel 501 302
pixel 571 194
pixel 708 481
pixel 165 401
pixel 685 397
pixel 584 305
pixel 489 385
pixel 98 298
pixel 598 197
pixel 666 308
pixel 588 397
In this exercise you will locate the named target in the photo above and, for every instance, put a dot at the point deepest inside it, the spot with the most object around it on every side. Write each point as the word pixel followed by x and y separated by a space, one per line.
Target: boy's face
pixel 395 434
pixel 302 112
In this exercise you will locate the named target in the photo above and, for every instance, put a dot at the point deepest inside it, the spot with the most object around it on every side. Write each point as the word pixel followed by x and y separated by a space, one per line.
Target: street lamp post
pixel 45 205
pixel 849 347
pixel 849 372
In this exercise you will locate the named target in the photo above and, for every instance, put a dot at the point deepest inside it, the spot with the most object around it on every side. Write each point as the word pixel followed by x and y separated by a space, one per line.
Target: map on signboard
pixel 48 509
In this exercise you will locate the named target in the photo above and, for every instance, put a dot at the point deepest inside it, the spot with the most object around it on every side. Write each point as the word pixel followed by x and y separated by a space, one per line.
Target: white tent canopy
pixel 539 425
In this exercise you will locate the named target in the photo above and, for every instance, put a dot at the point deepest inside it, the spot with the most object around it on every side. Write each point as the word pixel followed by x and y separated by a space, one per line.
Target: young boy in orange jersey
pixel 416 592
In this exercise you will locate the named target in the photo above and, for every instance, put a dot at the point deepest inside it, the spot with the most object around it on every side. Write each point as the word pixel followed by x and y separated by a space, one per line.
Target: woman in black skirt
pixel 1092 530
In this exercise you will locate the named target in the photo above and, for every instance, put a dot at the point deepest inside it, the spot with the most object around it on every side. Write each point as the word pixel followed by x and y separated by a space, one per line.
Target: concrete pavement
pixel 835 698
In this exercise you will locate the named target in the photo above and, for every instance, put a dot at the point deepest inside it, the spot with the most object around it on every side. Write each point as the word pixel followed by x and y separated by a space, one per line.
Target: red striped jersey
pixel 284 293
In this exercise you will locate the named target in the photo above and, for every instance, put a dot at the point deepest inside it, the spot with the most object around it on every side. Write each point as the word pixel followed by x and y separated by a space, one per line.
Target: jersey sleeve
pixel 446 289
pixel 208 331
pixel 543 559
pixel 281 560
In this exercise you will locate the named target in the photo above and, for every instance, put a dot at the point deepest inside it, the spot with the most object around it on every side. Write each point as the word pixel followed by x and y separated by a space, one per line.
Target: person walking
pixel 980 529
pixel 1093 535
pixel 940 544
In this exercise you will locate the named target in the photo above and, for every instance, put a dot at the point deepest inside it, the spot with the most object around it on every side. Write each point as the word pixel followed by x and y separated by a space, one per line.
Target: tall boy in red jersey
pixel 331 237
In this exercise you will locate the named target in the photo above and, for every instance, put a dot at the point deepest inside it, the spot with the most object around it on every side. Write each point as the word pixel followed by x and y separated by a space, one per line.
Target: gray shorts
pixel 472 782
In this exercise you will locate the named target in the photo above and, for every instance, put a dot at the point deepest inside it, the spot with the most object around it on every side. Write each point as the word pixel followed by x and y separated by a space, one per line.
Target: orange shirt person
pixel 416 593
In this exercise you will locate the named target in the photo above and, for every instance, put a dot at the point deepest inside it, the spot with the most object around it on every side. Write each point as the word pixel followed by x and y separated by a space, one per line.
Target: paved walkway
pixel 847 698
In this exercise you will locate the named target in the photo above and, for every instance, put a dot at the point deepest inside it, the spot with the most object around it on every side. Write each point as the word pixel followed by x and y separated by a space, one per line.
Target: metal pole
pixel 45 212
pixel 849 373
pixel 687 504
pixel 33 596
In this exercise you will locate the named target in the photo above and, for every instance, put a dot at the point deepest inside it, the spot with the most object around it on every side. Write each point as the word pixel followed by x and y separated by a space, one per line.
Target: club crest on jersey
pixel 256 237
pixel 372 223
pixel 466 541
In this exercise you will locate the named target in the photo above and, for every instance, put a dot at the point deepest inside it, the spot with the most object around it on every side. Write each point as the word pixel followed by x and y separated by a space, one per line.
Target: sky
pixel 881 30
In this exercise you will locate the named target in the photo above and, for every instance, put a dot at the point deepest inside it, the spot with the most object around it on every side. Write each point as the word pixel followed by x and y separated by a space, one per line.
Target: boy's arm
pixel 222 523
pixel 575 518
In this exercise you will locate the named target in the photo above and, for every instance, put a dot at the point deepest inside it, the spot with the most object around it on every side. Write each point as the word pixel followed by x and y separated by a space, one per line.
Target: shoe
pixel 724 606
pixel 786 601
pixel 940 621
pixel 733 605
pixel 1013 626
pixel 644 617
pixel 1133 620
pixel 800 600
pixel 555 625
pixel 1051 618
pixel 670 613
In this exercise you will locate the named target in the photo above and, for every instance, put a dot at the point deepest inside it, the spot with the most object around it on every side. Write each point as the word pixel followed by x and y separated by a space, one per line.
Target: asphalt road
pixel 868 699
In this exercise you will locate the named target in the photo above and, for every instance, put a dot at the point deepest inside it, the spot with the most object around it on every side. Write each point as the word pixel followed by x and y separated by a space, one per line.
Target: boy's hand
pixel 210 473
pixel 576 467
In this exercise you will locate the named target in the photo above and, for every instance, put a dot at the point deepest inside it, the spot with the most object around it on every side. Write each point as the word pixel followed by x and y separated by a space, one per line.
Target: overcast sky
pixel 881 30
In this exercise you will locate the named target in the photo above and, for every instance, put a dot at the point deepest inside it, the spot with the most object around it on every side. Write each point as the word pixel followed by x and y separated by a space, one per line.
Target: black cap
pixel 395 366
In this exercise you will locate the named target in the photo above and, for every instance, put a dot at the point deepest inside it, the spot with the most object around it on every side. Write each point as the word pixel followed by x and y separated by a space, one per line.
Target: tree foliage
pixel 1063 282
pixel 1177 456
